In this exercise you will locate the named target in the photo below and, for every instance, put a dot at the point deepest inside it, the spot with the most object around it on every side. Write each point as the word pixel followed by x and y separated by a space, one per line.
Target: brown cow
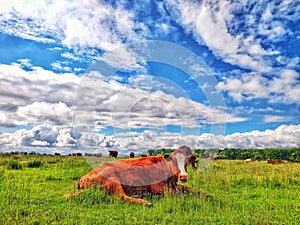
pixel 214 158
pixel 113 153
pixel 76 154
pixel 129 177
pixel 131 154
pixel 275 161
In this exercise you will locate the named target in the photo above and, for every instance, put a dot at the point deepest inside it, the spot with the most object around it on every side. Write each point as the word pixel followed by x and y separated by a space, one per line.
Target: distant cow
pixel 214 158
pixel 131 177
pixel 131 154
pixel 187 150
pixel 113 153
pixel 250 160
pixel 205 155
pixel 94 155
pixel 76 154
pixel 275 161
pixel 144 155
pixel 194 164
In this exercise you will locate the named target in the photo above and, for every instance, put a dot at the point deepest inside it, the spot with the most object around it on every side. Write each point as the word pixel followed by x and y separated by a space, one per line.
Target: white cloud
pixel 39 143
pixel 69 55
pixel 35 96
pixel 75 23
pixel 249 86
pixel 88 140
pixel 284 88
pixel 59 66
pixel 282 137
pixel 273 118
pixel 287 85
pixel 56 113
pixel 233 30
pixel 98 24
pixel 65 138
pixel 285 136
pixel 41 135
pixel 41 96
pixel 123 58
pixel 209 21
pixel 25 62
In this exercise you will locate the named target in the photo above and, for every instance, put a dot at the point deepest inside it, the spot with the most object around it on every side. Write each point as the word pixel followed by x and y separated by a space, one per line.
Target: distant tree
pixel 150 152
pixel 241 154
pixel 245 154
pixel 199 152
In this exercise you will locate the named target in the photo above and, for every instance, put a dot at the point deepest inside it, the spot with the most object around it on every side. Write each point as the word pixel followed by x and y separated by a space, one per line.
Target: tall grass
pixel 243 193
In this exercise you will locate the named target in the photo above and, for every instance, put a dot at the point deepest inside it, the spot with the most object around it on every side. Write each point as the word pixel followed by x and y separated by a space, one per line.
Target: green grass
pixel 243 193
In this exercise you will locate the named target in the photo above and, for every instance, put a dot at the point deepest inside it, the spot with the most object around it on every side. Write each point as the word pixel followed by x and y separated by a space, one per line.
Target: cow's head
pixel 177 163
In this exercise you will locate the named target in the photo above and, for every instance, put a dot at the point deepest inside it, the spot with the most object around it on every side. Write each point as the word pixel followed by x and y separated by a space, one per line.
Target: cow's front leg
pixel 116 189
pixel 186 189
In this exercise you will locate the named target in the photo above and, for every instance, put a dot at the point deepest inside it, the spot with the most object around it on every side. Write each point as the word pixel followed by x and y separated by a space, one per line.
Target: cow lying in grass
pixel 275 161
pixel 153 174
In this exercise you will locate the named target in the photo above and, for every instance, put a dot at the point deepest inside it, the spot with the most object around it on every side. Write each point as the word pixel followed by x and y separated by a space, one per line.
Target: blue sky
pixel 208 74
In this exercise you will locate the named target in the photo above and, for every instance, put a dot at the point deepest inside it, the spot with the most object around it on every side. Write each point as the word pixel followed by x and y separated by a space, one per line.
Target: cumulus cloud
pixel 125 107
pixel 285 136
pixel 58 113
pixel 40 135
pixel 41 96
pixel 35 96
pixel 282 137
pixel 284 88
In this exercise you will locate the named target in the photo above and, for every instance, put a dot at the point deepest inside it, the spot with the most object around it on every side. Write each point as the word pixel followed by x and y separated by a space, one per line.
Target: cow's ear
pixel 168 157
pixel 191 158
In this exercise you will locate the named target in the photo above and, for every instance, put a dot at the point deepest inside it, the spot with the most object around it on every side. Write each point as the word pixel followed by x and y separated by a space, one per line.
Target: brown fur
pixel 275 161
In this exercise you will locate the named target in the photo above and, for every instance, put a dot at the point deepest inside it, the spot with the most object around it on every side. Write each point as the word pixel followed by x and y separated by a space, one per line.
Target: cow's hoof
pixel 149 204
pixel 205 195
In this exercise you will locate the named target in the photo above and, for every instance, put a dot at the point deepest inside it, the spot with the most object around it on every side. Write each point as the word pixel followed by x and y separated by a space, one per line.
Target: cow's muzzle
pixel 183 177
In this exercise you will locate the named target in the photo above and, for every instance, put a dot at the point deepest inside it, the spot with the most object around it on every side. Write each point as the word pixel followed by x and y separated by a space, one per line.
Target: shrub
pixel 14 165
pixel 34 164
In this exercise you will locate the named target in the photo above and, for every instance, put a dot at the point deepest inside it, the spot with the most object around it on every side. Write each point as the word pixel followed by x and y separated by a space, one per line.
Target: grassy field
pixel 33 188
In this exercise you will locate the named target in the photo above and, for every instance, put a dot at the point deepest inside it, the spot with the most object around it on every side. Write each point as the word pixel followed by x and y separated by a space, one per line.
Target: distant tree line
pixel 292 154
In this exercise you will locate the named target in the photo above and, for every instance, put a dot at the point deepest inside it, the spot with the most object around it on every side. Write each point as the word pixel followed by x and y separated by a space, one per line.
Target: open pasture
pixel 33 189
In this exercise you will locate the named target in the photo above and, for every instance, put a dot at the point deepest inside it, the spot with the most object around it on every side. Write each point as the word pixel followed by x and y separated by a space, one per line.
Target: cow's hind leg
pixel 70 195
pixel 116 189
pixel 186 189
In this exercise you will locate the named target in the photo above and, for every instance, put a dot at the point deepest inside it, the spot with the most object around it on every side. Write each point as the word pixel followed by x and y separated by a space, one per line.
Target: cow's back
pixel 138 172
pixel 144 161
